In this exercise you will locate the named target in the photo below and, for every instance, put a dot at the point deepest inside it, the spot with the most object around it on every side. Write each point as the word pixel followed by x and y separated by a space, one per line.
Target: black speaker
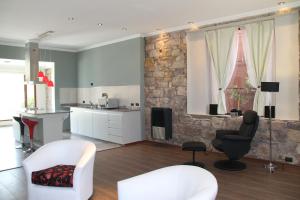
pixel 269 86
pixel 213 109
pixel 267 112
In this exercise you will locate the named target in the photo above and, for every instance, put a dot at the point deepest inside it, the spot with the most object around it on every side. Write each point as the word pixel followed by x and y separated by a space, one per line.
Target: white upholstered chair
pixel 67 152
pixel 179 182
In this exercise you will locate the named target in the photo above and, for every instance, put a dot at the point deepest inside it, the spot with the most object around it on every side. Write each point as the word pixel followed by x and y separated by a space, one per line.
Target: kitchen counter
pixel 122 126
pixel 44 112
pixel 50 124
pixel 121 109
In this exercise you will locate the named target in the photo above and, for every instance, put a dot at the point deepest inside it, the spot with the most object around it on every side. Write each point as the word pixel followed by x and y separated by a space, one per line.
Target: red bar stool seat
pixel 31 125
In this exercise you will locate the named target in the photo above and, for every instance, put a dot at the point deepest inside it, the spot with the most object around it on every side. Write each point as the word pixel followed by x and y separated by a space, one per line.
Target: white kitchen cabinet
pixel 100 121
pixel 114 126
pixel 124 127
pixel 74 120
pixel 85 120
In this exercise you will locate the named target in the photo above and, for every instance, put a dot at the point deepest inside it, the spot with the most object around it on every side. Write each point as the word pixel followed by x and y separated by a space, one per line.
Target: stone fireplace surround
pixel 165 74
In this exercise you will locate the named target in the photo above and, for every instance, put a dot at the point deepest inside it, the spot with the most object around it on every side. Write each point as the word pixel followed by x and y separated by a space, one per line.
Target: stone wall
pixel 165 86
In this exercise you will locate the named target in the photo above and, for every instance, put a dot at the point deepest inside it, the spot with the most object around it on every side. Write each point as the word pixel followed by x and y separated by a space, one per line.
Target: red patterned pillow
pixel 58 176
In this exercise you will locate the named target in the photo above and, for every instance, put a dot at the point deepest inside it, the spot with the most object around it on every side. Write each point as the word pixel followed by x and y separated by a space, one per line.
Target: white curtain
pixel 257 42
pixel 223 46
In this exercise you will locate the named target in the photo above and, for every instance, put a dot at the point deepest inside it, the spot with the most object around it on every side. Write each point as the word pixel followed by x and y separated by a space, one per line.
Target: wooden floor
pixel 121 163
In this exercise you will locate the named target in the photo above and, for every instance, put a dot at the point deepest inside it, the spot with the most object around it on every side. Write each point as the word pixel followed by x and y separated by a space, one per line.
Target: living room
pixel 149 100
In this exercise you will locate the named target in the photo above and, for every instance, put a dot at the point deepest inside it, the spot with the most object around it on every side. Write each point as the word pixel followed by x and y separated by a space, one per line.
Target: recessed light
pixel 71 18
pixel 283 8
pixel 100 24
pixel 194 27
pixel 124 29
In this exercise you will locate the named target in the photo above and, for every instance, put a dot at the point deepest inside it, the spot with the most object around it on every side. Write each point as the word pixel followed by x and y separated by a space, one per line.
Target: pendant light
pixel 50 84
pixel 41 74
pixel 45 79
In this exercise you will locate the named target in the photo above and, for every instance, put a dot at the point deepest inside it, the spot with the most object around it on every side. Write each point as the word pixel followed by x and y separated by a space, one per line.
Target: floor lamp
pixel 270 87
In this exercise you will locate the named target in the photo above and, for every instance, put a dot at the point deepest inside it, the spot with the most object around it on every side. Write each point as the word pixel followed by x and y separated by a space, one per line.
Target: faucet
pixel 91 104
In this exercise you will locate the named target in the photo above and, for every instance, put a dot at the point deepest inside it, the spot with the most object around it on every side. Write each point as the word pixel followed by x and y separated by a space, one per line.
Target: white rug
pixel 100 144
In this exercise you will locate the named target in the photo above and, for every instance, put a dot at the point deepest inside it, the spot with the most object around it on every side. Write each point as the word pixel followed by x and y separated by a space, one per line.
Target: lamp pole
pixel 270 167
pixel 270 87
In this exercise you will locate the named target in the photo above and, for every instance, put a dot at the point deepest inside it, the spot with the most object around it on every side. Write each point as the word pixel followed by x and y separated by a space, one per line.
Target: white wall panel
pixel 198 74
pixel 287 66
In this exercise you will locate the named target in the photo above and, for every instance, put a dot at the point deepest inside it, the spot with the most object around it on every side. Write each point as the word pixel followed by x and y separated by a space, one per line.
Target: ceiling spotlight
pixel 283 8
pixel 194 27
pixel 124 29
pixel 71 18
pixel 100 24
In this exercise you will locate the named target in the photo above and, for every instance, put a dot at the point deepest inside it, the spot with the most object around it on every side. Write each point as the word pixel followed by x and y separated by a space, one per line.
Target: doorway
pixel 12 103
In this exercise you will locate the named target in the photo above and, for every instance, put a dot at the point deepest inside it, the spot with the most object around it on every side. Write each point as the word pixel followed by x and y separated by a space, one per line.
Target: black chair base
pixel 230 165
pixel 197 164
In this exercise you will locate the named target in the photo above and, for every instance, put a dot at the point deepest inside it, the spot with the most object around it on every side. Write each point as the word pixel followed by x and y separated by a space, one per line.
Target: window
pixel 12 98
pixel 239 93
pixel 202 89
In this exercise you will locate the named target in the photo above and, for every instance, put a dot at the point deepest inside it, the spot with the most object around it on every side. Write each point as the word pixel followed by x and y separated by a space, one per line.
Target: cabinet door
pixel 85 123
pixel 115 127
pixel 115 120
pixel 100 125
pixel 74 121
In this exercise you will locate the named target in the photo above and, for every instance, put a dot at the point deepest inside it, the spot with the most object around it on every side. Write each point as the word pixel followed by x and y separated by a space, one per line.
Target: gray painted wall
pixel 65 65
pixel 116 64
pixel 112 65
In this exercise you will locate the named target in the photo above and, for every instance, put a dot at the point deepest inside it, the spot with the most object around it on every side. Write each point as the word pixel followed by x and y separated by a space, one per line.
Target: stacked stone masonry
pixel 166 86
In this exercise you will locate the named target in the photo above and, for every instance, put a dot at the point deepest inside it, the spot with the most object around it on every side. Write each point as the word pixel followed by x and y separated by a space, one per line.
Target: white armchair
pixel 180 182
pixel 67 152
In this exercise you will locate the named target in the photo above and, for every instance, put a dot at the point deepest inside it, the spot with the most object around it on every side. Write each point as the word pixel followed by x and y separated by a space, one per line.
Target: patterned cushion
pixel 58 176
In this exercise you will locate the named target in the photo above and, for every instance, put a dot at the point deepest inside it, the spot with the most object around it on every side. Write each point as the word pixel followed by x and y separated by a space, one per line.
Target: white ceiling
pixel 21 20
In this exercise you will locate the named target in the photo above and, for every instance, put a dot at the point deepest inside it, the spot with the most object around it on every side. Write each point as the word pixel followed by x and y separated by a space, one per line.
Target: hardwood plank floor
pixel 121 163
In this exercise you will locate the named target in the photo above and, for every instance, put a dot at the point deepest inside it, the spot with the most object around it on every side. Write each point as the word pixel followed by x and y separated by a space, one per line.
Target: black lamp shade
pixel 269 86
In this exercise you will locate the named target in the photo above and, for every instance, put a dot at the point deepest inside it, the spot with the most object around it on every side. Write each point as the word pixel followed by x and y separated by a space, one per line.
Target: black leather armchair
pixel 236 143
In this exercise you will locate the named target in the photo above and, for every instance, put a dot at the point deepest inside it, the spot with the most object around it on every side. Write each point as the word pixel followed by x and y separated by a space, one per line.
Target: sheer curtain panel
pixel 223 46
pixel 257 48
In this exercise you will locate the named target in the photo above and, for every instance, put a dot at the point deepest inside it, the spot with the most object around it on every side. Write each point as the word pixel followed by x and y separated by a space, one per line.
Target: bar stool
pixel 30 124
pixel 18 119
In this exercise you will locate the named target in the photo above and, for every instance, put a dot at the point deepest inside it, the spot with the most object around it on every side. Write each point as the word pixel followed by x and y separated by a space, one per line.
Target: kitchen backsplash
pixel 68 95
pixel 126 94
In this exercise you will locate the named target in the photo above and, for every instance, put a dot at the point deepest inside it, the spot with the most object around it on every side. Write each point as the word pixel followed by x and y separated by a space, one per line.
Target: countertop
pixel 121 109
pixel 44 112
